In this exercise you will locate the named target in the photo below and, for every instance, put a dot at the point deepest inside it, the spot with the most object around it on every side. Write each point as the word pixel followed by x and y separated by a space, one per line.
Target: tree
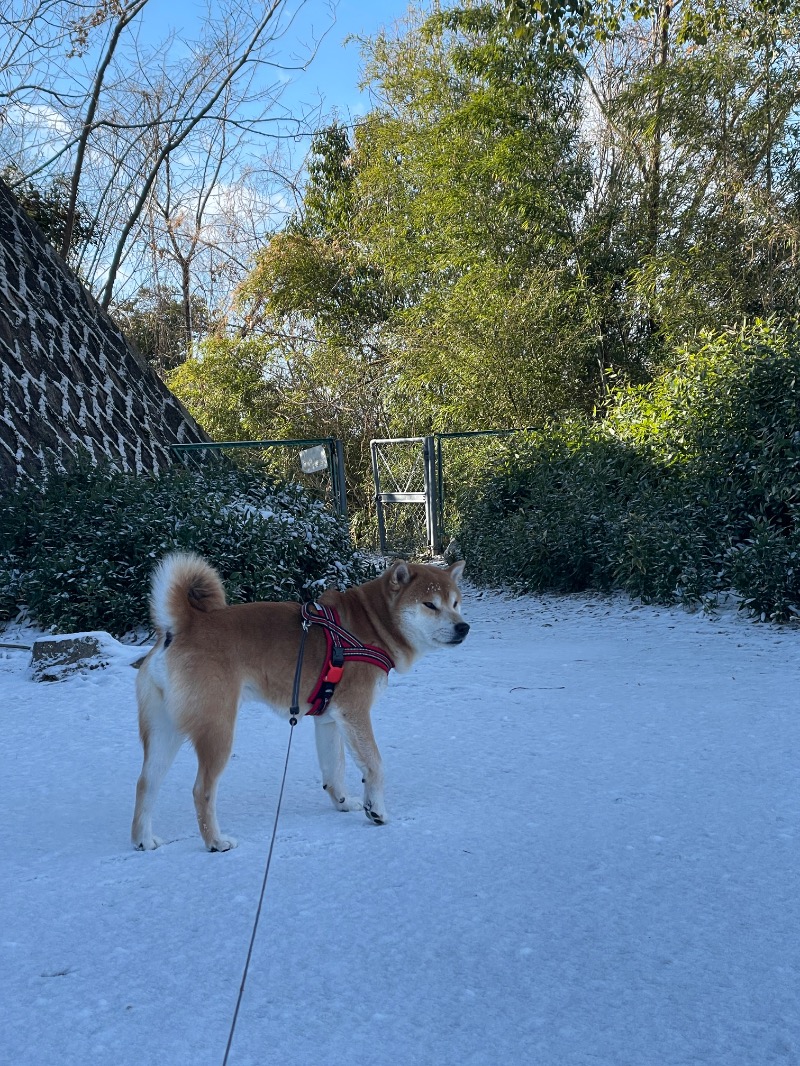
pixel 543 200
pixel 698 101
pixel 473 175
pixel 229 390
pixel 48 204
pixel 433 265
pixel 155 323
pixel 80 92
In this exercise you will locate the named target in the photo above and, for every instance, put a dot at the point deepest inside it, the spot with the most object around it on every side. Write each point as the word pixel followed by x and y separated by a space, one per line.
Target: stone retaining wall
pixel 68 378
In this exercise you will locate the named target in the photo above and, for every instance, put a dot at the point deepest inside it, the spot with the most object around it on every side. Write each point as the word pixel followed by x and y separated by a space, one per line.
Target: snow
pixel 592 861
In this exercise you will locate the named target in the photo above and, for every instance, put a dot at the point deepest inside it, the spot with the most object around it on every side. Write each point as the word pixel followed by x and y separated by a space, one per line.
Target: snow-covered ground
pixel 592 859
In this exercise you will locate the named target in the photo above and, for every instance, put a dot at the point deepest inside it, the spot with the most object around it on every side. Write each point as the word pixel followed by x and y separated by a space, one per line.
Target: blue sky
pixel 333 74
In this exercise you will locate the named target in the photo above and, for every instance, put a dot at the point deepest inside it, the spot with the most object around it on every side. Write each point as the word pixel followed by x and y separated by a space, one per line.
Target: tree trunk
pixel 654 177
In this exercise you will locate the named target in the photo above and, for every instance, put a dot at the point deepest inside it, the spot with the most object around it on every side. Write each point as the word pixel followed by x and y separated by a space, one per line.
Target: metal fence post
pixel 373 447
pixel 431 496
pixel 339 484
pixel 440 487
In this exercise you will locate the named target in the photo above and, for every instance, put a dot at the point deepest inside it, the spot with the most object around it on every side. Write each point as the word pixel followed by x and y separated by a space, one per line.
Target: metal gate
pixel 405 470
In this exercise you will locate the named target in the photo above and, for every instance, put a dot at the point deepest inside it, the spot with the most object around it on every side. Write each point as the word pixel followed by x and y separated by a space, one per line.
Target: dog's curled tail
pixel 183 583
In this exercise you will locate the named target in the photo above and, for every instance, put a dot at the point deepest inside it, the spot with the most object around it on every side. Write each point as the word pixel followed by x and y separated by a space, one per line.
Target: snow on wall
pixel 68 378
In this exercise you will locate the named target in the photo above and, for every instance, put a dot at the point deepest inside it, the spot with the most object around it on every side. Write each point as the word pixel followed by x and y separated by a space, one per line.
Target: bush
pixel 765 571
pixel 77 551
pixel 689 486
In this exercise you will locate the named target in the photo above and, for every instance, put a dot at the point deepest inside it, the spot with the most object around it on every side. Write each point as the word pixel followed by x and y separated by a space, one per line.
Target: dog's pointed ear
pixel 399 574
pixel 456 570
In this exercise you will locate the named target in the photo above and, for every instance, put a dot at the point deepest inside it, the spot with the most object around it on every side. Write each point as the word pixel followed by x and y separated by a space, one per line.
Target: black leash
pixel 294 711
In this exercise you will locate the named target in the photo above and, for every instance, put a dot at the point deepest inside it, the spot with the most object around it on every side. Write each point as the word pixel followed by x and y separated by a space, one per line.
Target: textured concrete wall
pixel 68 378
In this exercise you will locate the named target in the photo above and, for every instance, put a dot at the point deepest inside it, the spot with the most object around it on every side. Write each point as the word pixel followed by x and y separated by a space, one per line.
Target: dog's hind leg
pixel 161 741
pixel 330 751
pixel 213 745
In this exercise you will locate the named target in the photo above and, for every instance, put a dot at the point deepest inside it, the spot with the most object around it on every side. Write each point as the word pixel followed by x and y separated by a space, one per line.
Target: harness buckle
pixel 336 667
pixel 325 693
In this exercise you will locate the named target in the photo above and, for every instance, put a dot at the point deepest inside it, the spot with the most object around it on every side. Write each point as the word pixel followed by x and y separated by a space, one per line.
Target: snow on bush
pixel 76 553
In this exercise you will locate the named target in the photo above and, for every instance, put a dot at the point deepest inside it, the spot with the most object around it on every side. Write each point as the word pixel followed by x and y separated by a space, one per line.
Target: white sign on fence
pixel 312 460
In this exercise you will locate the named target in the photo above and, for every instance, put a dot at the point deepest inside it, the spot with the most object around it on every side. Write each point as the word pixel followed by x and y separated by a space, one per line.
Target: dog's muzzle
pixel 460 630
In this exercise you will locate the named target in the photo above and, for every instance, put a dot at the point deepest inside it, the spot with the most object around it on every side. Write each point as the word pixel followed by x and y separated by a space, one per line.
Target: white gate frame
pixel 400 494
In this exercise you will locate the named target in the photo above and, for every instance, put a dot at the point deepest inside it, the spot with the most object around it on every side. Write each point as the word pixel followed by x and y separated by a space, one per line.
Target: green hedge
pixel 690 486
pixel 77 552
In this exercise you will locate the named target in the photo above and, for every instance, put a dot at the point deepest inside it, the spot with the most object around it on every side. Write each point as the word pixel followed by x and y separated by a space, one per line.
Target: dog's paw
pixel 148 843
pixel 375 816
pixel 223 844
pixel 343 803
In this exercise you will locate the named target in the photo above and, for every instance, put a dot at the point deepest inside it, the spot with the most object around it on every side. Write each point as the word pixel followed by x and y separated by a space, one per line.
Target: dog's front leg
pixel 356 728
pixel 330 752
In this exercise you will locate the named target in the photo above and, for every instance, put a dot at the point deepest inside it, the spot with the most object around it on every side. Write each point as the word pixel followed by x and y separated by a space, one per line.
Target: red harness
pixel 341 645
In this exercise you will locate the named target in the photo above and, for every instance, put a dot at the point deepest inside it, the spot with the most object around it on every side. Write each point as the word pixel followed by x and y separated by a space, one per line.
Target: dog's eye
pixel 431 606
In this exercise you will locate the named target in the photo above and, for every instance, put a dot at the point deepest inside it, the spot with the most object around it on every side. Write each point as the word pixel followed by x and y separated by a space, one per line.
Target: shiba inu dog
pixel 209 654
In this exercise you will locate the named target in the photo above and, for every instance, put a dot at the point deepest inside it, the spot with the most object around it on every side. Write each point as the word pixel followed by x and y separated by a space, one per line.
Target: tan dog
pixel 209 654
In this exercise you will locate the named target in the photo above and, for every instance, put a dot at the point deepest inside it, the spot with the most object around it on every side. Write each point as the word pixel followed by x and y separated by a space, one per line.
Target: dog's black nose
pixel 462 628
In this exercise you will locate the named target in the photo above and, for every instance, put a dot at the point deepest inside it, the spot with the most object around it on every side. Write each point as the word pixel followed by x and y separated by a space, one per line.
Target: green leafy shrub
pixel 540 519
pixel 689 486
pixel 765 571
pixel 77 552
